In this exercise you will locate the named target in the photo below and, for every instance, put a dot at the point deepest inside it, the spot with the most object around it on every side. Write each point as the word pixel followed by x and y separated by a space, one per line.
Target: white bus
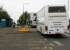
pixel 33 19
pixel 52 19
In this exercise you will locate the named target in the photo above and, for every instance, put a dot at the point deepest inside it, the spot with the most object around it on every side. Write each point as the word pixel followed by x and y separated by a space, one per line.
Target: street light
pixel 23 6
pixel 68 5
pixel 23 9
pixel 68 8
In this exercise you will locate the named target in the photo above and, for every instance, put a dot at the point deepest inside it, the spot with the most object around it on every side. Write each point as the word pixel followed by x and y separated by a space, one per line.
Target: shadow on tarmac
pixel 59 36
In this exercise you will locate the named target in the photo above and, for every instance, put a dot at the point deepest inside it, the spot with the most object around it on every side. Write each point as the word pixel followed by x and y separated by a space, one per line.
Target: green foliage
pixel 24 18
pixel 4 14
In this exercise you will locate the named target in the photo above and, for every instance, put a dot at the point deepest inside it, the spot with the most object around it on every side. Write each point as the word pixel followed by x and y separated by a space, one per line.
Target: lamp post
pixel 24 5
pixel 68 5
pixel 24 8
pixel 68 8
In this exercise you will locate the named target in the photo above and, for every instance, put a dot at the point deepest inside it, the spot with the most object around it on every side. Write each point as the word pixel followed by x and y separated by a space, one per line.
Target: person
pixel 13 25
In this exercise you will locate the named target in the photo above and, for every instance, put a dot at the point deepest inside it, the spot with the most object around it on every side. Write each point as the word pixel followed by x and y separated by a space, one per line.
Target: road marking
pixel 45 39
pixel 67 35
pixel 58 43
pixel 51 44
pixel 49 48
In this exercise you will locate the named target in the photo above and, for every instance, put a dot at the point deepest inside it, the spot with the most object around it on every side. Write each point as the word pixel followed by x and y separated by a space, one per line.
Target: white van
pixel 33 19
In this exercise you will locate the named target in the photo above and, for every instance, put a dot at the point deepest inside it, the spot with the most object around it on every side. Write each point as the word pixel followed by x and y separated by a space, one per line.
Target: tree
pixel 24 18
pixel 4 15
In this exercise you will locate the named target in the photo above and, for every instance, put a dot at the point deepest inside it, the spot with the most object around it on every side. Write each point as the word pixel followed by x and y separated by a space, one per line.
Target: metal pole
pixel 68 5
pixel 23 8
pixel 68 8
pixel 24 5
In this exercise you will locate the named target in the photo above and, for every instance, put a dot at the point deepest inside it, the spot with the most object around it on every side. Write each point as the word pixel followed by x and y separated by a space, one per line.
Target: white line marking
pixel 51 44
pixel 58 43
pixel 66 34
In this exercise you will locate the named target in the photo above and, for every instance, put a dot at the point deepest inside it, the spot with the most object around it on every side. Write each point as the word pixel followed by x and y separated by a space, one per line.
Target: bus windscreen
pixel 57 9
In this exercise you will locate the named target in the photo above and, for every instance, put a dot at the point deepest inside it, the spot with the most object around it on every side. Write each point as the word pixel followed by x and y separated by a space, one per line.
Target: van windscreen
pixel 56 9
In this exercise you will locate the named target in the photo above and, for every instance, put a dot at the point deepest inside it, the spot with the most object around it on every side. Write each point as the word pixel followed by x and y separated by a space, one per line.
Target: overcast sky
pixel 15 7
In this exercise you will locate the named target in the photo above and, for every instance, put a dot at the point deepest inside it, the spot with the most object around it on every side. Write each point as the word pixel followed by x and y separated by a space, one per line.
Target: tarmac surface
pixel 12 39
